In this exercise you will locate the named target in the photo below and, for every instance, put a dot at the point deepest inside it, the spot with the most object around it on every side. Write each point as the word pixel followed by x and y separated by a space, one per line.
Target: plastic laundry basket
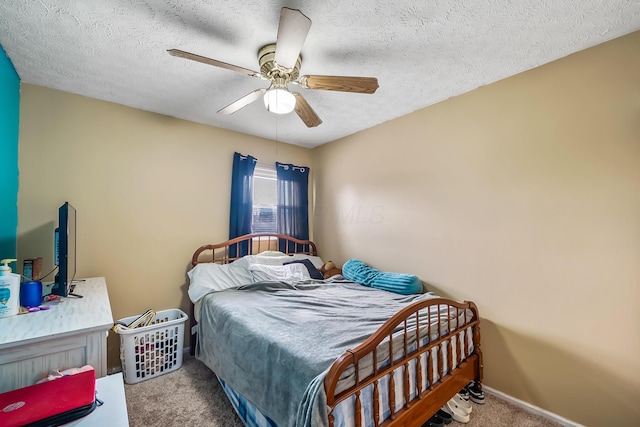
pixel 152 350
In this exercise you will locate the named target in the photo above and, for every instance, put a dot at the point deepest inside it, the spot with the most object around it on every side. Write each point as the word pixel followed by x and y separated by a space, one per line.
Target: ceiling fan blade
pixel 340 83
pixel 192 56
pixel 305 112
pixel 292 32
pixel 243 102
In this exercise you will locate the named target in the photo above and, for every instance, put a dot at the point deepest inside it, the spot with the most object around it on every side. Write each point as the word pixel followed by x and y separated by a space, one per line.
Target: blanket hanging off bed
pixel 359 272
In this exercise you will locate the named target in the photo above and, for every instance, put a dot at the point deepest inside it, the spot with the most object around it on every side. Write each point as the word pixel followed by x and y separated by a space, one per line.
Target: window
pixel 265 199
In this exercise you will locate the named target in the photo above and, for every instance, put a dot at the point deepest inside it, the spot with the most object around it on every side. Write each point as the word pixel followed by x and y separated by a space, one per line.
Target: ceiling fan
pixel 280 64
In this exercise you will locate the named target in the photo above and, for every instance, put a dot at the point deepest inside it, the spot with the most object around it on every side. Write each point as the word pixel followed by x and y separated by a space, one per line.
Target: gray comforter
pixel 273 342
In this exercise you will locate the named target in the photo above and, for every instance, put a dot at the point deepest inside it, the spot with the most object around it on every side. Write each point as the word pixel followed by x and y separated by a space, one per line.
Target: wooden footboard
pixel 413 345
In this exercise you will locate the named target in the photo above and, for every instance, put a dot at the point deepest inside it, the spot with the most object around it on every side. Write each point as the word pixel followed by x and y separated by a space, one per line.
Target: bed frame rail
pixel 443 322
pixel 403 336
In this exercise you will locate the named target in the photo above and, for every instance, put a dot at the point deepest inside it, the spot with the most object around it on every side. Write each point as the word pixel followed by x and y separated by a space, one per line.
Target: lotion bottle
pixel 9 290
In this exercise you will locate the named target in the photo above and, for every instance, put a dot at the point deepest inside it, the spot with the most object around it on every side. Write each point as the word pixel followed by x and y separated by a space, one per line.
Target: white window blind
pixel 265 200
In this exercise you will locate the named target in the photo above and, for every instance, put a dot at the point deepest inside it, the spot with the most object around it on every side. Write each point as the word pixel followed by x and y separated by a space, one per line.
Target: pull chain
pixel 276 159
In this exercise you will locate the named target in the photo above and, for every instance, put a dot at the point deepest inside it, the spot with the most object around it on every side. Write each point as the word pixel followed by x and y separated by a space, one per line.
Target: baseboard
pixel 531 408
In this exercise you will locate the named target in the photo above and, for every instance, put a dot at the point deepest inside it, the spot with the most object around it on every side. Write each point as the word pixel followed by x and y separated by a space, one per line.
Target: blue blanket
pixel 273 342
pixel 359 272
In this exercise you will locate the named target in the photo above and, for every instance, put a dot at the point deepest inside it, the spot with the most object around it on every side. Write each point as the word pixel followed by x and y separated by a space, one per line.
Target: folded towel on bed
pixel 359 272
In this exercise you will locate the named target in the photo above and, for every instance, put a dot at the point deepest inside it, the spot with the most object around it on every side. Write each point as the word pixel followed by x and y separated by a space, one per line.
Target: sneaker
pixel 475 393
pixel 434 421
pixel 464 394
pixel 461 403
pixel 445 416
pixel 457 414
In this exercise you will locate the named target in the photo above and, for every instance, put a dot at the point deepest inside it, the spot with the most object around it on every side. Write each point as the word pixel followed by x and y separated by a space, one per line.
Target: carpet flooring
pixel 192 396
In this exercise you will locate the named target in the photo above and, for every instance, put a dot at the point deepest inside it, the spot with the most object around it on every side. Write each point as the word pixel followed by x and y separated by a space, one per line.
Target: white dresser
pixel 70 334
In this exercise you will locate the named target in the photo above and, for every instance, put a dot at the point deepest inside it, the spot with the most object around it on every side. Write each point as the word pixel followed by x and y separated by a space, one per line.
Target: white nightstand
pixel 113 413
pixel 70 334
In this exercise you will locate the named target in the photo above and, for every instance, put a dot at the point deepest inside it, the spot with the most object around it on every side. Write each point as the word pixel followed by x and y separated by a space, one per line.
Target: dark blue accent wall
pixel 9 123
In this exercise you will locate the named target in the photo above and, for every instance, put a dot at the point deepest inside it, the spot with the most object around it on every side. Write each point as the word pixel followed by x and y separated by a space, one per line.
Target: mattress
pixel 257 339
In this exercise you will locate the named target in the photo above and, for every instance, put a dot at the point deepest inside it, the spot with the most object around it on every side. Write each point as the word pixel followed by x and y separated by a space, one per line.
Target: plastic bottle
pixel 9 290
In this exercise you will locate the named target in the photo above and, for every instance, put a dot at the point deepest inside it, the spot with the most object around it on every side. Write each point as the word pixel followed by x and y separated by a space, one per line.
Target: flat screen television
pixel 65 249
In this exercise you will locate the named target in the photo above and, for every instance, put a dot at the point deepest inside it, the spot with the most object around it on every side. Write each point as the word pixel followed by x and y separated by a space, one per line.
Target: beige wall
pixel 523 196
pixel 148 190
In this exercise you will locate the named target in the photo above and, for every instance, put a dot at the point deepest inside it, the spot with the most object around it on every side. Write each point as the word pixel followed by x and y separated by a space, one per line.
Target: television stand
pixel 47 288
pixel 72 288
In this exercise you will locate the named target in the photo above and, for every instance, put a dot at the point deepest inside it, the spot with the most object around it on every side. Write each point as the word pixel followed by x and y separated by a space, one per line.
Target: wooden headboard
pixel 225 252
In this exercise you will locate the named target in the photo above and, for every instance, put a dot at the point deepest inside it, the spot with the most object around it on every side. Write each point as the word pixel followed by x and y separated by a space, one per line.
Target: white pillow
pixel 281 273
pixel 275 259
pixel 272 253
pixel 270 259
pixel 209 277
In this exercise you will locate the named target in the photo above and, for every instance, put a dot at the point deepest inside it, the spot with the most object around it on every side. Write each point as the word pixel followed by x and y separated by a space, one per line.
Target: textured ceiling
pixel 422 52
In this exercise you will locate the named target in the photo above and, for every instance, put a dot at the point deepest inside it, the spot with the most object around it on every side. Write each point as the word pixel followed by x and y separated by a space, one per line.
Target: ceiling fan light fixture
pixel 280 64
pixel 279 100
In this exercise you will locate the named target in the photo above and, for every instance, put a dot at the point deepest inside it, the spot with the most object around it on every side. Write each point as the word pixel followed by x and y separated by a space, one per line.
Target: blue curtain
pixel 293 201
pixel 241 201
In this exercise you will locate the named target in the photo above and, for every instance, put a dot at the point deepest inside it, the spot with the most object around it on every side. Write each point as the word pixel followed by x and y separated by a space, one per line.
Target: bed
pixel 308 352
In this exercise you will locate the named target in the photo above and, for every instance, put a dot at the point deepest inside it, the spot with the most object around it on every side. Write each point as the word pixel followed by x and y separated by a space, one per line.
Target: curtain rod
pixel 271 165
